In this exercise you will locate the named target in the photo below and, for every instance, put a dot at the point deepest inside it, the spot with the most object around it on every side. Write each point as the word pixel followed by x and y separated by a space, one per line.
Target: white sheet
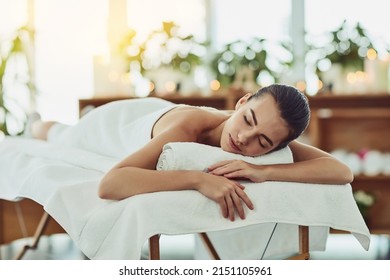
pixel 290 204
pixel 65 181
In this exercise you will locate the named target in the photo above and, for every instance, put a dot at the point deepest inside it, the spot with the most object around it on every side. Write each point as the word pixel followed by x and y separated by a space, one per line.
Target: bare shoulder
pixel 302 151
pixel 192 119
pixel 182 124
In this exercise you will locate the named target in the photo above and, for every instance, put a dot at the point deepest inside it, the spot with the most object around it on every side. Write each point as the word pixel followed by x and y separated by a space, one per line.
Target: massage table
pixel 154 243
pixel 290 219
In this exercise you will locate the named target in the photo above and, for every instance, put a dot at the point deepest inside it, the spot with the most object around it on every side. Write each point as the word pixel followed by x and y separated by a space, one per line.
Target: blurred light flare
pixel 215 85
pixel 371 54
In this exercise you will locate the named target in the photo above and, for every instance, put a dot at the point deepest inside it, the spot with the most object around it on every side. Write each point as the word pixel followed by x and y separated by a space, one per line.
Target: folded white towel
pixel 195 156
pixel 65 181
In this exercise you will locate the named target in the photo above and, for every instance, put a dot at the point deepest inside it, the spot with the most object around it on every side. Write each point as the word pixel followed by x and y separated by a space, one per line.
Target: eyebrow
pixel 255 120
pixel 253 116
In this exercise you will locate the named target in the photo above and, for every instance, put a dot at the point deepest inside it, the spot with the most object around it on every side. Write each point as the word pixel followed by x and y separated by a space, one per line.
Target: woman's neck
pixel 212 136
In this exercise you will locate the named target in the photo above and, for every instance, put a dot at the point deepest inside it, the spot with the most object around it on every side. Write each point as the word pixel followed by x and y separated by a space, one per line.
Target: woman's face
pixel 255 128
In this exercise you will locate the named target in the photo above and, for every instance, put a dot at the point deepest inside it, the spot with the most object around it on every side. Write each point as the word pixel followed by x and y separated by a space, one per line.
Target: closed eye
pixel 261 144
pixel 247 121
pixel 268 141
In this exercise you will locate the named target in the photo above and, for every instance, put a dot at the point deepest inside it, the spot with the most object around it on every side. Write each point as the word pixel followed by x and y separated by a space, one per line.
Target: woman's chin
pixel 229 150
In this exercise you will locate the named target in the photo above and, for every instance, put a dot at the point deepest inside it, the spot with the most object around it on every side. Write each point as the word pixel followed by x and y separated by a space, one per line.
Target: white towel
pixel 65 181
pixel 290 204
pixel 194 156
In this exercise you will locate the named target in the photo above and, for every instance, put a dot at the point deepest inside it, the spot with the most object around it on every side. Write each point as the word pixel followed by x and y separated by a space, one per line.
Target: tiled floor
pixel 339 247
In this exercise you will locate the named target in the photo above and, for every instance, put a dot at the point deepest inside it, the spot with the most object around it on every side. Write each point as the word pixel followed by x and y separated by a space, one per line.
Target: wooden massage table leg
pixel 154 247
pixel 303 244
pixel 37 236
pixel 209 246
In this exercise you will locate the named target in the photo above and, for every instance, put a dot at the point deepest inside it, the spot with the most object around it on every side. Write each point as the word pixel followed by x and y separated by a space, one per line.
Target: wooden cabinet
pixel 353 123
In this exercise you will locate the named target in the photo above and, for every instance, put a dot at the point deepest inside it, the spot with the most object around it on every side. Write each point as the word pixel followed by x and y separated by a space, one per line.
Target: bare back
pixel 180 124
pixel 197 120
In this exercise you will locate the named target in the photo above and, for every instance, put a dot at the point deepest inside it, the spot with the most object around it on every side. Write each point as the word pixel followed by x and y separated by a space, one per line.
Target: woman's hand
pixel 228 194
pixel 239 169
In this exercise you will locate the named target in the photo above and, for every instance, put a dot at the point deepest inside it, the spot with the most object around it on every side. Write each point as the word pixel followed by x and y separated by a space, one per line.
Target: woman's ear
pixel 243 100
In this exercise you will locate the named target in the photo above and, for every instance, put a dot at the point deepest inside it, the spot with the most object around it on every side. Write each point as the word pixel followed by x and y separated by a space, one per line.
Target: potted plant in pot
pixel 13 52
pixel 165 57
pixel 341 60
pixel 241 64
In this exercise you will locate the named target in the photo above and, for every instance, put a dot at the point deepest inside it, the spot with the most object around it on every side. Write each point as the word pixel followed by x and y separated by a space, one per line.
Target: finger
pixel 229 168
pixel 244 197
pixel 230 207
pixel 235 174
pixel 224 209
pixel 218 164
pixel 240 186
pixel 238 205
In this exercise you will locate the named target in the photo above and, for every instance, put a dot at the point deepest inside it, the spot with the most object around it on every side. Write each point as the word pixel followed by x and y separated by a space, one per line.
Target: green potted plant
pixel 11 109
pixel 242 60
pixel 166 51
pixel 344 52
pixel 349 46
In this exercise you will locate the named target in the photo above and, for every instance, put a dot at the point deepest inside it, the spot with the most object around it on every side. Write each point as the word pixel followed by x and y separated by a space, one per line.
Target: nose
pixel 243 137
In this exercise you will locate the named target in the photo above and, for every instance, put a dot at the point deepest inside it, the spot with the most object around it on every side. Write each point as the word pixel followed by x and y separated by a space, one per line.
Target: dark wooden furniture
pixel 355 122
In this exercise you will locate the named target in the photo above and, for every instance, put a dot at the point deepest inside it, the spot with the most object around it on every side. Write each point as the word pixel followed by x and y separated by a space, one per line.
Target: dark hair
pixel 293 107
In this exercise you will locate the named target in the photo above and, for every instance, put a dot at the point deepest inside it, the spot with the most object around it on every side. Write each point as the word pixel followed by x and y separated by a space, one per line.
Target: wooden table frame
pixel 154 242
pixel 303 254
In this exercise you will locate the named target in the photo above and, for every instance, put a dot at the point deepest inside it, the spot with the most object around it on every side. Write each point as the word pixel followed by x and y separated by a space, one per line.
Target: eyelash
pixel 261 144
pixel 248 123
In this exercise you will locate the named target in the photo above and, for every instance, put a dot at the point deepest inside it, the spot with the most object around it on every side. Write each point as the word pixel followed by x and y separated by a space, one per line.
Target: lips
pixel 233 145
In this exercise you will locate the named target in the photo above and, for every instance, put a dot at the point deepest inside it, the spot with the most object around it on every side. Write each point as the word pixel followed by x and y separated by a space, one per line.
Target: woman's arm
pixel 311 165
pixel 137 175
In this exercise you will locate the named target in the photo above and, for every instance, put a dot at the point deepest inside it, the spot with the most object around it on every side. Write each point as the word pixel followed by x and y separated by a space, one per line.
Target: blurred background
pixel 80 49
pixel 59 56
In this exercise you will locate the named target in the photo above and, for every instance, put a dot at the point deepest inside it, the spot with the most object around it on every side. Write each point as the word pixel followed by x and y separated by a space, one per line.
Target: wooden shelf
pixel 350 101
pixel 354 122
pixel 368 179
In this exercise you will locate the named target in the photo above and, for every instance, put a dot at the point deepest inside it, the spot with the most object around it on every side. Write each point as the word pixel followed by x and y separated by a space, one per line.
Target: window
pixel 325 16
pixel 322 17
pixel 13 16
pixel 246 19
pixel 68 34
pixel 147 15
